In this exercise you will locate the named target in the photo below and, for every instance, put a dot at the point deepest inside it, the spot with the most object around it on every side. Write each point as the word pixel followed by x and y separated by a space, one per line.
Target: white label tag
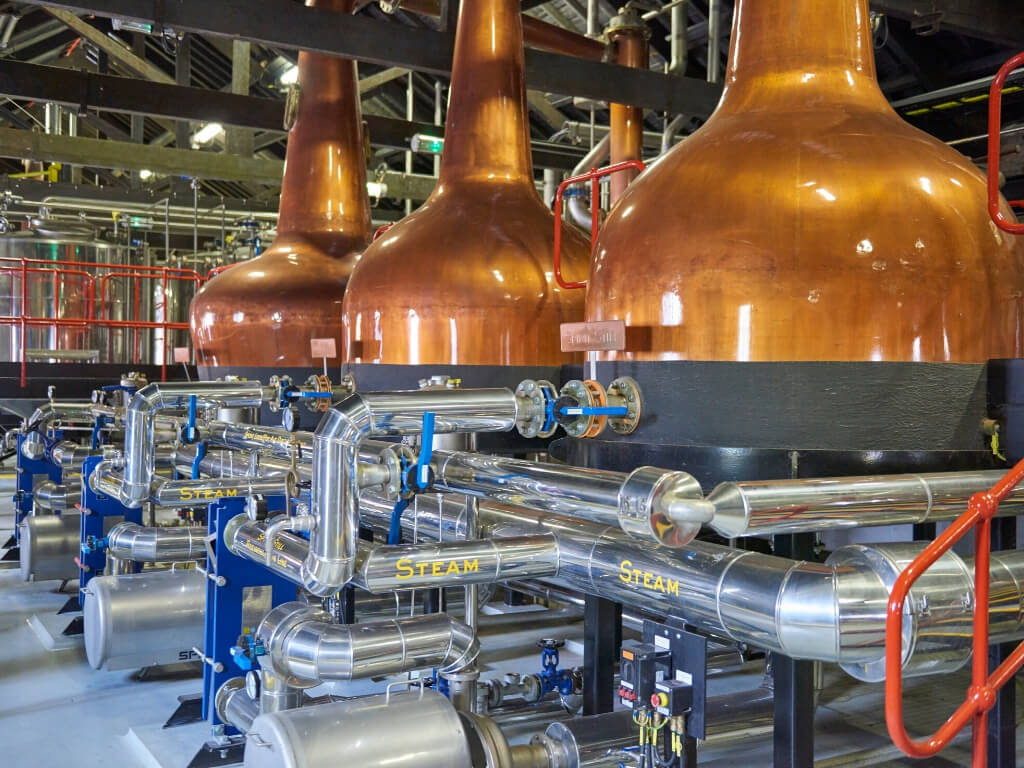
pixel 182 354
pixel 322 348
pixel 661 642
pixel 684 677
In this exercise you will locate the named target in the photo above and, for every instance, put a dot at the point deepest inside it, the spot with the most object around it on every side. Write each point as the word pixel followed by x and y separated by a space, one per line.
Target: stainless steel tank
pixel 37 280
pixel 144 619
pixel 412 730
pixel 49 545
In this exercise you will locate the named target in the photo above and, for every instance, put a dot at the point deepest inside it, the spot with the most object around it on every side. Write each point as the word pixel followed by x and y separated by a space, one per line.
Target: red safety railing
pixel 217 270
pixel 77 315
pixel 995 121
pixel 594 177
pixel 981 695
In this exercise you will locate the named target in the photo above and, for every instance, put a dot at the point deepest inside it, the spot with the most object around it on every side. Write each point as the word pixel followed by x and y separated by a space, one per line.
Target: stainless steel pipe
pixel 829 612
pixel 139 424
pixel 129 541
pixel 305 648
pixel 791 506
pixel 480 561
pixel 336 454
pixel 49 496
pixel 656 505
pixel 234 706
pixel 189 493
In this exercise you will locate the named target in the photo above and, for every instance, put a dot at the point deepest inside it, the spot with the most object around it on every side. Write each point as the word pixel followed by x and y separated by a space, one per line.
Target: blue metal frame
pixel 96 508
pixel 224 604
pixel 27 471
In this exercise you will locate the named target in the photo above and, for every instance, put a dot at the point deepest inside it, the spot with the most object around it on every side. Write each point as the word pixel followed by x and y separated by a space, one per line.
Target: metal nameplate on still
pixel 603 336
pixel 322 348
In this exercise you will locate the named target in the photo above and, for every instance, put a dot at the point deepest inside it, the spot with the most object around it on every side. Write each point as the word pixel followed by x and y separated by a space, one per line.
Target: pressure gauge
pixel 252 684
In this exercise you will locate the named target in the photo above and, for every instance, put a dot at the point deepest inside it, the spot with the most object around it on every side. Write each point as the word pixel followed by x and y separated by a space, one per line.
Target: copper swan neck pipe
pixel 781 53
pixel 487 130
pixel 324 186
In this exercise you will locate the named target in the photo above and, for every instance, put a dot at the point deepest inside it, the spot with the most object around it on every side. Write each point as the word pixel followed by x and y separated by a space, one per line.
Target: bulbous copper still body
pixel 264 312
pixel 467 278
pixel 806 220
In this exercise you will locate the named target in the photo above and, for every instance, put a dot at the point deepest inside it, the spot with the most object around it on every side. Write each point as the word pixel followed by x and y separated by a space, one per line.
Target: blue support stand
pixel 99 514
pixel 28 470
pixel 248 593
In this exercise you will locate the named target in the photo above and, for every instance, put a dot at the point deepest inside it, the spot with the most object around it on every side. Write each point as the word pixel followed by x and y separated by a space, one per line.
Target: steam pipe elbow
pixel 463 648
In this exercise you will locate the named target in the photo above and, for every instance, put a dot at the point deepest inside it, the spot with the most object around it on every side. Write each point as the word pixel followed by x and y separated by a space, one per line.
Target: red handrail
pixel 594 177
pixel 981 695
pixel 88 273
pixel 995 121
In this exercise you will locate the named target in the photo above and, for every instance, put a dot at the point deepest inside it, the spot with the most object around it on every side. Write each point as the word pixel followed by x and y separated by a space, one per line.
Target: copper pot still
pixel 467 278
pixel 265 311
pixel 806 220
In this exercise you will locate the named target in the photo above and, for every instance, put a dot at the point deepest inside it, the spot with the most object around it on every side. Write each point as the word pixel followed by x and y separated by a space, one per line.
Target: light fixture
pixel 290 76
pixel 421 142
pixel 207 133
pixel 145 174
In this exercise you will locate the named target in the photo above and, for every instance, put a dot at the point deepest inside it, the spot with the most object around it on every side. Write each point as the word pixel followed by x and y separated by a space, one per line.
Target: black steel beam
pixel 999 22
pixel 78 89
pixel 284 24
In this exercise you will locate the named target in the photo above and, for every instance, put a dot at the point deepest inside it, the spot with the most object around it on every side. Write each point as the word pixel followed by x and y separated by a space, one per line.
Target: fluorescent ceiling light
pixel 290 76
pixel 207 133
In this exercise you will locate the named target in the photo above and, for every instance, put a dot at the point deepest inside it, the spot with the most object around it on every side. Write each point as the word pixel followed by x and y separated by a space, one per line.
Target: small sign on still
pixel 603 336
pixel 322 348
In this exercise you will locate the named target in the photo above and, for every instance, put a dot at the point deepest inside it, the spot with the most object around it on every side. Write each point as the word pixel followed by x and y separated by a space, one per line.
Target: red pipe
pixel 995 121
pixel 981 695
pixel 594 176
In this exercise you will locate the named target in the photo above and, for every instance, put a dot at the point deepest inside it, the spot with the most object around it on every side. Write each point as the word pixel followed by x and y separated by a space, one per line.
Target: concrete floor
pixel 55 710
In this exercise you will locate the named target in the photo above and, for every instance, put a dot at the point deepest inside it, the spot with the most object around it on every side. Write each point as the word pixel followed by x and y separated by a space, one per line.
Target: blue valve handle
pixel 426 452
pixel 594 410
pixel 200 455
pixel 189 434
pixel 395 529
pixel 422 479
pixel 101 421
pixel 119 388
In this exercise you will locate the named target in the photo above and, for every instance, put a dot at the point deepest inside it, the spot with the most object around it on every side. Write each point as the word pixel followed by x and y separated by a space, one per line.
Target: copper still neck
pixel 808 56
pixel 487 131
pixel 632 49
pixel 323 194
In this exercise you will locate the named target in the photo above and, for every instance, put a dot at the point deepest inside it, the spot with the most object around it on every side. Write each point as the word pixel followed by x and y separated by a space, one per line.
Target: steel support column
pixel 602 641
pixel 793 736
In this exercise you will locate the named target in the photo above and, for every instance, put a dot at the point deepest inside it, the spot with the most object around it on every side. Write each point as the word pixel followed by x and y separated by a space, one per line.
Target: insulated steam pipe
pixel 831 612
pixel 53 497
pixel 139 424
pixel 791 506
pixel 305 648
pixel 129 541
pixel 336 454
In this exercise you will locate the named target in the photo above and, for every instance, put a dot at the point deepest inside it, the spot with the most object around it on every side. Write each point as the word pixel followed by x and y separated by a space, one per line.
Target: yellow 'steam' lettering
pixel 205 494
pixel 652 581
pixel 405 568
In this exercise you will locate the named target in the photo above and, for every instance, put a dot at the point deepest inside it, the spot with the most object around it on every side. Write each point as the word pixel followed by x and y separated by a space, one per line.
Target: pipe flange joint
pixel 648 502
pixel 626 392
pixel 627 22
pixel 536 419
